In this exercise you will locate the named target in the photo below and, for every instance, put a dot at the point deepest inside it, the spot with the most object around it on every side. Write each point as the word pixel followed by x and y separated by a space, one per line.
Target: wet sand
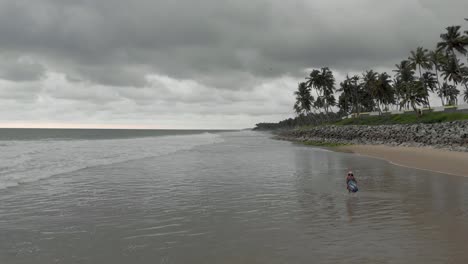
pixel 443 161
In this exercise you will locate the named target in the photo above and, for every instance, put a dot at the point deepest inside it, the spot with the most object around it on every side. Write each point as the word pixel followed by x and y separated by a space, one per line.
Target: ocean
pixel 28 155
pixel 100 196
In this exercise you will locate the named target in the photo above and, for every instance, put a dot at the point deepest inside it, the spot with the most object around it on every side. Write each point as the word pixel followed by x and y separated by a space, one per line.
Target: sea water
pixel 229 197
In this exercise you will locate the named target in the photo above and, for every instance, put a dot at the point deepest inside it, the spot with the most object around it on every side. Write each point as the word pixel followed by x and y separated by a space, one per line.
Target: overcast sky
pixel 193 63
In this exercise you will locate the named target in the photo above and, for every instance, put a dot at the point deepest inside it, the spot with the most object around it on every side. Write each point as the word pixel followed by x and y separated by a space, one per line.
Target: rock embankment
pixel 449 135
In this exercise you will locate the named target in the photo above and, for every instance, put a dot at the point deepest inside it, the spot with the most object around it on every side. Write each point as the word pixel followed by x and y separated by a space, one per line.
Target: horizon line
pixel 100 126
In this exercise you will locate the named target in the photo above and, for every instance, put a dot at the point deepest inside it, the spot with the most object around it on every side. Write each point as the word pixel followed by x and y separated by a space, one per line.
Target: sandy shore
pixel 448 162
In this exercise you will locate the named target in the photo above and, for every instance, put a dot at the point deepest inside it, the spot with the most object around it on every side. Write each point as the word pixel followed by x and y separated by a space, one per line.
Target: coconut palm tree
pixel 404 71
pixel 386 94
pixel 369 84
pixel 324 83
pixel 319 103
pixel 453 41
pixel 327 82
pixel 330 101
pixel 379 86
pixel 437 58
pixel 410 91
pixel 349 97
pixel 429 80
pixel 451 93
pixel 404 75
pixel 344 105
pixel 304 100
pixel 312 81
pixel 430 84
pixel 413 95
pixel 398 87
pixel 420 59
pixel 453 70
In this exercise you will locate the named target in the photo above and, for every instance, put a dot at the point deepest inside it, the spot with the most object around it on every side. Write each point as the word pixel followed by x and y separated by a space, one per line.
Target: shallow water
pixel 243 199
pixel 28 155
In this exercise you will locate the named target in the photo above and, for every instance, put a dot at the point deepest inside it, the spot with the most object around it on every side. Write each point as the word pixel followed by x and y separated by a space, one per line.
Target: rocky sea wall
pixel 449 135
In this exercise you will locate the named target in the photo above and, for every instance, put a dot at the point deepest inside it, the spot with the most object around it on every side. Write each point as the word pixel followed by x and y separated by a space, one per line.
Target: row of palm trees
pixel 437 71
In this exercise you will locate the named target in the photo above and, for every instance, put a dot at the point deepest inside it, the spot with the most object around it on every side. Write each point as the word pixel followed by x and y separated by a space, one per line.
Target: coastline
pixel 439 147
pixel 449 135
pixel 423 158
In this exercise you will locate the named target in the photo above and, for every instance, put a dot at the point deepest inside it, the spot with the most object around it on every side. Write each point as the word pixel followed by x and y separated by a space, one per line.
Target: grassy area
pixel 437 117
pixel 323 144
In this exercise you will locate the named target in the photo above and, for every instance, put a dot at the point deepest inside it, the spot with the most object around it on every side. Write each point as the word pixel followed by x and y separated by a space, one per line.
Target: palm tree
pixel 404 71
pixel 413 95
pixel 297 107
pixel 304 100
pixel 327 82
pixel 430 84
pixel 451 93
pixel 319 103
pixel 344 105
pixel 386 94
pixel 453 70
pixel 312 81
pixel 411 92
pixel 404 75
pixel 349 98
pixel 369 83
pixel 324 83
pixel 420 59
pixel 398 87
pixel 453 41
pixel 379 87
pixel 330 101
pixel 437 58
pixel 429 80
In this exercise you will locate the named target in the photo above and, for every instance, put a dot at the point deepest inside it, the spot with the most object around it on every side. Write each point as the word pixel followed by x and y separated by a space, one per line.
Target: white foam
pixel 29 161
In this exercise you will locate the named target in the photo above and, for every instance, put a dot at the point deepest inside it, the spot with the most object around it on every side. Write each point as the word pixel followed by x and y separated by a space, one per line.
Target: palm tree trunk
pixel 356 102
pixel 414 108
pixel 420 78
pixel 438 84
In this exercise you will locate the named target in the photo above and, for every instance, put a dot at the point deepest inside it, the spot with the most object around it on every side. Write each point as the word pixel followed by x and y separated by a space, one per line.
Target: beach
pixel 424 158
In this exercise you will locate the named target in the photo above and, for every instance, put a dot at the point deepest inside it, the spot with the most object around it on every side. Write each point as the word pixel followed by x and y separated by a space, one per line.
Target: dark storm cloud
pixel 214 39
pixel 208 52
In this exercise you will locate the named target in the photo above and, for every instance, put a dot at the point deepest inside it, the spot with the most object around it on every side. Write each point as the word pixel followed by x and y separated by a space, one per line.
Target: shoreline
pixel 448 135
pixel 422 158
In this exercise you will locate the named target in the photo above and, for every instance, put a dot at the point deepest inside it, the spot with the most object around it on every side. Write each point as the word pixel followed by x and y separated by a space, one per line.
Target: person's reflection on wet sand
pixel 351 207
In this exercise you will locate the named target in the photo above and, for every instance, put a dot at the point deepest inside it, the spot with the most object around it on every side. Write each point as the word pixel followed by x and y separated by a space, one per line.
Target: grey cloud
pixel 21 93
pixel 213 39
pixel 111 75
pixel 216 54
pixel 17 69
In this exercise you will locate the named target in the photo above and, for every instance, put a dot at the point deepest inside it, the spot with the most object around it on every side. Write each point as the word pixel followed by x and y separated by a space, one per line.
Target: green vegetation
pixel 438 71
pixel 434 117
pixel 324 144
